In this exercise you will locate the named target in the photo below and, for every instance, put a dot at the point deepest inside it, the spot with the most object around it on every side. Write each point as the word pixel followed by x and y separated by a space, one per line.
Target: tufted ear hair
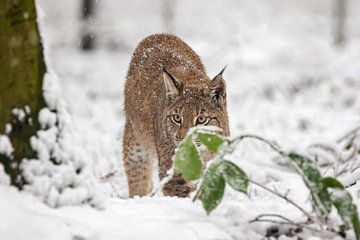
pixel 218 89
pixel 172 85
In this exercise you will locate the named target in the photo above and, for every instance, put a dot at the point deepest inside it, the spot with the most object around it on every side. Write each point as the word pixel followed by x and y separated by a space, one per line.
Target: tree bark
pixel 22 70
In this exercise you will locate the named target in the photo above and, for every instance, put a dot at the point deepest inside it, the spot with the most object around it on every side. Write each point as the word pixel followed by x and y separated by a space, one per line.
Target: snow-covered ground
pixel 285 82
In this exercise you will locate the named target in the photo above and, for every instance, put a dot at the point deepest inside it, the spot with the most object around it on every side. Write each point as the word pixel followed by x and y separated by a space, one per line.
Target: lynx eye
pixel 202 120
pixel 176 118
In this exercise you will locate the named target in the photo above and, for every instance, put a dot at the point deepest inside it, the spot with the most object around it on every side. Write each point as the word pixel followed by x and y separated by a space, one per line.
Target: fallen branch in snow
pixel 299 225
pixel 108 176
pixel 272 215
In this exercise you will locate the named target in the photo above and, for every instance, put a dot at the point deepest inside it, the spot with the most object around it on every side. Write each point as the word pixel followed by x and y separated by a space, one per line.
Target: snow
pixel 19 113
pixel 285 82
pixel 47 118
pixel 117 221
pixel 4 178
pixel 5 149
pixel 351 178
pixel 5 145
pixel 60 175
pixel 8 128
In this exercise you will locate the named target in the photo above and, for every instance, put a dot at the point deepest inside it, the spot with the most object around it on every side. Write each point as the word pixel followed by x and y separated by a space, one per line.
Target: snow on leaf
pixel 235 176
pixel 212 187
pixel 211 141
pixel 342 201
pixel 187 160
pixel 319 194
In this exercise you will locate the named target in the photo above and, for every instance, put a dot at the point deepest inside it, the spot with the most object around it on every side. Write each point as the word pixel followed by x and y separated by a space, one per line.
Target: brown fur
pixel 165 78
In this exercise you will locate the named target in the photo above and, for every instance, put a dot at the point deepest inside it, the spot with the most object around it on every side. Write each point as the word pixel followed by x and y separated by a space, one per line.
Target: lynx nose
pixel 181 133
pixel 178 137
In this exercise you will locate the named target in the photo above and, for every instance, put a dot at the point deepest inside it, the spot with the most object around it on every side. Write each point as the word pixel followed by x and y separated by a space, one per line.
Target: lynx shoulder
pixel 167 92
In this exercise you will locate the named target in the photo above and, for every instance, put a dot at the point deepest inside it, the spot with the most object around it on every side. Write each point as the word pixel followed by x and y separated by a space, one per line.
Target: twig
pixel 198 195
pixel 350 133
pixel 108 176
pixel 285 198
pixel 274 215
pixel 353 154
pixel 273 145
pixel 328 149
pixel 342 164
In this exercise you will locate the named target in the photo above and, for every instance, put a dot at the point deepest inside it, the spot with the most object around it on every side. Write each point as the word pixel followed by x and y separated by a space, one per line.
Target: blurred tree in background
pixel 168 15
pixel 88 36
pixel 339 24
pixel 22 70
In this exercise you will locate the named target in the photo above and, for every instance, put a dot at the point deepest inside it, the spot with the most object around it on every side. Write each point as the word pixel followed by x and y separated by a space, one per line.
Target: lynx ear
pixel 218 89
pixel 172 85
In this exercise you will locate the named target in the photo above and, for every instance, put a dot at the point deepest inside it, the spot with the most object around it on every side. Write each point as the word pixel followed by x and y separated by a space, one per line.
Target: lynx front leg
pixel 177 186
pixel 165 162
pixel 137 163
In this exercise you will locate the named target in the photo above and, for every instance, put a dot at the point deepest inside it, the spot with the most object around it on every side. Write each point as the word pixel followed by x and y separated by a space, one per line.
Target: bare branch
pixel 108 176
pixel 197 195
pixel 272 144
pixel 328 149
pixel 310 218
pixel 274 215
pixel 349 134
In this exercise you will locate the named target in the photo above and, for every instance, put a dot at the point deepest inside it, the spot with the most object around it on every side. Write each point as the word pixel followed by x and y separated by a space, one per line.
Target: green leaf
pixel 350 143
pixel 355 222
pixel 212 188
pixel 211 141
pixel 331 182
pixel 342 201
pixel 319 194
pixel 187 160
pixel 235 176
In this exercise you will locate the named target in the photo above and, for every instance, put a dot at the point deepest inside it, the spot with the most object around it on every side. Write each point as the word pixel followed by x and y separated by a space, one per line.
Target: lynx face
pixel 193 105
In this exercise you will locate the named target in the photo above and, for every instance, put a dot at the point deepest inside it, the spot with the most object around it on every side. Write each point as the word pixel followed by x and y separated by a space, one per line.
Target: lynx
pixel 167 92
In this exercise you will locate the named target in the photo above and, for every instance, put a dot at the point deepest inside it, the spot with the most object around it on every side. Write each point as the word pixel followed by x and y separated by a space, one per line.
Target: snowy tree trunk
pixel 22 69
pixel 339 18
pixel 168 15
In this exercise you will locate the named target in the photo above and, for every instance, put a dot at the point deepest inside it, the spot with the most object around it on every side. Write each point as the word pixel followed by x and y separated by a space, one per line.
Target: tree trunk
pixel 339 24
pixel 22 69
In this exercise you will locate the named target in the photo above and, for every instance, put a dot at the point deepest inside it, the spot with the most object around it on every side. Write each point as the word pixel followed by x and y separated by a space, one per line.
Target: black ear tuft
pixel 222 70
pixel 218 89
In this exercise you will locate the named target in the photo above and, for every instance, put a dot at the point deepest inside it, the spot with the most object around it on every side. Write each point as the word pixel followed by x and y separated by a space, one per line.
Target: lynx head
pixel 193 99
